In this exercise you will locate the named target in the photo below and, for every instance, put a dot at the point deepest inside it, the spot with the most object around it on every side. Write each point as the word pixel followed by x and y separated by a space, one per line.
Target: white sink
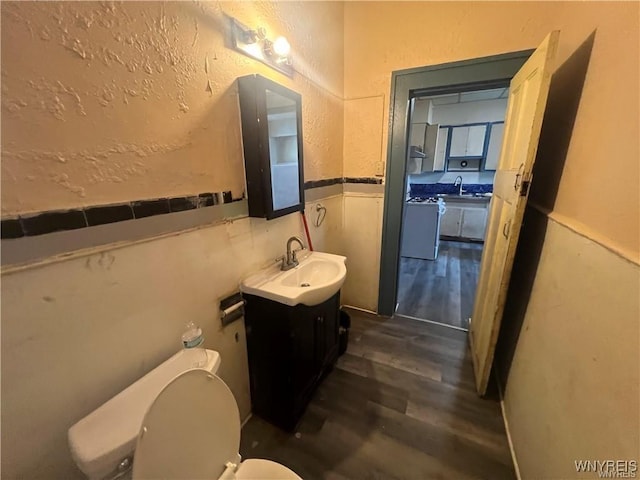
pixel 316 279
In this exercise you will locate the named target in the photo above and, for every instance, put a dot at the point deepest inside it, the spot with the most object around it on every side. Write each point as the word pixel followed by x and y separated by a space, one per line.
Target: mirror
pixel 283 150
pixel 271 118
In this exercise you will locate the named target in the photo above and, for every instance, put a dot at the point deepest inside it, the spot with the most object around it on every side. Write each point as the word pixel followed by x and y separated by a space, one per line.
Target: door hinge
pixel 524 188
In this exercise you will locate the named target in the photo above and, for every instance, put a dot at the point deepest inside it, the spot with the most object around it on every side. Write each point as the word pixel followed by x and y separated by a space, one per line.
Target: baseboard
pixel 516 467
pixel 461 239
pixel 359 309
pixel 244 422
pixel 399 315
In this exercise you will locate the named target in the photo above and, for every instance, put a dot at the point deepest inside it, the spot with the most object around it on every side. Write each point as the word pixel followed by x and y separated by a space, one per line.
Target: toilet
pixel 192 430
pixel 176 422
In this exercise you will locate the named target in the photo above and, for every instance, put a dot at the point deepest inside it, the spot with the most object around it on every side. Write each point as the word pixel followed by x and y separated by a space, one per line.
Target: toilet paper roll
pixel 231 309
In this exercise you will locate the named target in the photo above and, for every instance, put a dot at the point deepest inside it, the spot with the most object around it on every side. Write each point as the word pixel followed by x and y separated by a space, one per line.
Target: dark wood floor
pixel 400 404
pixel 441 290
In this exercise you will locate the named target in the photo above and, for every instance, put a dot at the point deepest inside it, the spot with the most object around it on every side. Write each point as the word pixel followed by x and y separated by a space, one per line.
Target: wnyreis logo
pixel 608 468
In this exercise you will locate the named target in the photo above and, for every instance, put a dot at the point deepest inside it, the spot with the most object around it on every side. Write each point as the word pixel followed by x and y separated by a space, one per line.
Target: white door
pixel 527 99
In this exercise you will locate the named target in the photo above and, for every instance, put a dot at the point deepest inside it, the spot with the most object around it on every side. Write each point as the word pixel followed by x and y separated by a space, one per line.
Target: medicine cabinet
pixel 271 117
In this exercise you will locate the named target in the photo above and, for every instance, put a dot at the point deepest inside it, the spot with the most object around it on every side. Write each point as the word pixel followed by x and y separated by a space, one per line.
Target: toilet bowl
pixel 192 430
pixel 104 442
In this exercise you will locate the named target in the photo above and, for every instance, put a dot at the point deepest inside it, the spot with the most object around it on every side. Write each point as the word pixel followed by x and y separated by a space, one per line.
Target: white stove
pixel 421 227
pixel 424 200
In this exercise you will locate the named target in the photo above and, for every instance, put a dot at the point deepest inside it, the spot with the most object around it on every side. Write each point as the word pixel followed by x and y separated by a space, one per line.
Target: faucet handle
pixel 281 258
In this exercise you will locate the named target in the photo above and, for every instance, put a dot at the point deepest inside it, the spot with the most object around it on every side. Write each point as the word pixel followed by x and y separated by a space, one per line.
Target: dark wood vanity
pixel 290 350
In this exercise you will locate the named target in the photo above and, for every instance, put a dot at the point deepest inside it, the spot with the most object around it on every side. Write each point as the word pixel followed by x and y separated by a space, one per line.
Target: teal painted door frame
pixel 467 75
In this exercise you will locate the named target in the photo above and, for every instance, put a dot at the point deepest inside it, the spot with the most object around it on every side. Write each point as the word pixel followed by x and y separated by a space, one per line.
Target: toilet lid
pixel 190 431
pixel 257 468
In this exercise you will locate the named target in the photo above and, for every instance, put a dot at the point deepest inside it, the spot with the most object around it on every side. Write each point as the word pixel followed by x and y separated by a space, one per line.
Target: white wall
pixel 78 331
pixel 469 112
pixel 572 391
pixel 362 231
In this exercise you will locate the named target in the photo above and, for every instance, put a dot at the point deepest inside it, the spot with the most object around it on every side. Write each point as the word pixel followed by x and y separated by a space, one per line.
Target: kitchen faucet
pixel 455 183
pixel 290 260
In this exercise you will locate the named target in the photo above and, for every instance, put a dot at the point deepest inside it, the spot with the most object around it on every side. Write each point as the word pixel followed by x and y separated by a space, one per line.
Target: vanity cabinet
pixel 290 350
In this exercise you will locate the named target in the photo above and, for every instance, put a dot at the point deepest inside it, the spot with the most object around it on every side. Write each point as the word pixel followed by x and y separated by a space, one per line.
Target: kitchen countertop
pixel 464 198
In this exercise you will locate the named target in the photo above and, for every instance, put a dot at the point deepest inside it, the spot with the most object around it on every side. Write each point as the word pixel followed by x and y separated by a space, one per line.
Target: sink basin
pixel 316 279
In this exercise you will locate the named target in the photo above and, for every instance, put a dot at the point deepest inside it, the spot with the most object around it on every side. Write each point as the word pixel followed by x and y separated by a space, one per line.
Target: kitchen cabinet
pixel 465 218
pixel 290 350
pixel 417 134
pixel 473 224
pixel 426 137
pixel 430 147
pixel 467 141
pixel 495 143
pixel 450 222
pixel 441 148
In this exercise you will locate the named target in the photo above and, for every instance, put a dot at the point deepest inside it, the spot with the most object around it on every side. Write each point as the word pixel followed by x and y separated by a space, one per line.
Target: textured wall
pixel 105 102
pixel 402 35
pixel 363 127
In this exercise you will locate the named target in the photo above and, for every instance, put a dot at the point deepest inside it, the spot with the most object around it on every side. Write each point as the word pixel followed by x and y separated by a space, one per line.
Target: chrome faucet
pixel 455 183
pixel 290 260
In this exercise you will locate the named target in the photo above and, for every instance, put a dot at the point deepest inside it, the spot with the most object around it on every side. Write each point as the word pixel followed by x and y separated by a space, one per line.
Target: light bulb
pixel 281 47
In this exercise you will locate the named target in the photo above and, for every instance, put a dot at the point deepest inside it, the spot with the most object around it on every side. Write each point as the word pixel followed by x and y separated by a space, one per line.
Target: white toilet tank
pixel 102 443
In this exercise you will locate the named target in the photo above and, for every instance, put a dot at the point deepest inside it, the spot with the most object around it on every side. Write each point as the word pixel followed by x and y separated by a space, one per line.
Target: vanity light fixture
pixel 255 44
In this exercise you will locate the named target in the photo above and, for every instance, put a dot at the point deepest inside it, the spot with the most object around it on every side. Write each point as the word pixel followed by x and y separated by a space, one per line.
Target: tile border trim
pixel 41 223
pixel 51 221
pixel 339 180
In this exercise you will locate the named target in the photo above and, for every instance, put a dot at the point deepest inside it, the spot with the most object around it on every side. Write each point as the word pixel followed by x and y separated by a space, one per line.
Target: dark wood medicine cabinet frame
pixel 255 140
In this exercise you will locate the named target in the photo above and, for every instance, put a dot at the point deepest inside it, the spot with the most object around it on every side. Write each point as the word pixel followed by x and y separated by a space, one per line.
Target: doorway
pixel 454 142
pixel 485 73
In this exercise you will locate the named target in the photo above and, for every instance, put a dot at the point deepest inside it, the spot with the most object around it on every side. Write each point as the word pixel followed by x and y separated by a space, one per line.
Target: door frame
pixel 466 75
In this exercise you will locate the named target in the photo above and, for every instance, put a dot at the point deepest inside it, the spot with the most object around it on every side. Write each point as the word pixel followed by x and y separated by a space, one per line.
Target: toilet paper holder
pixel 231 308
